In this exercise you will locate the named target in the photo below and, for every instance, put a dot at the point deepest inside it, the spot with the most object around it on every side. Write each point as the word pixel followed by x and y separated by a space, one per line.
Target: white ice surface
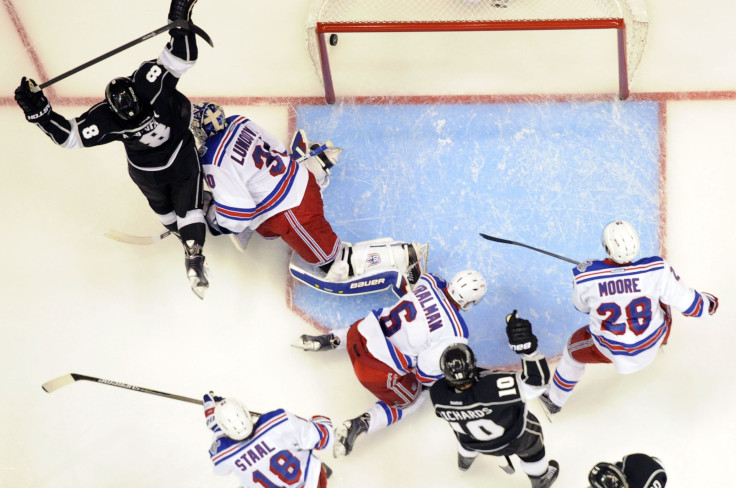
pixel 74 301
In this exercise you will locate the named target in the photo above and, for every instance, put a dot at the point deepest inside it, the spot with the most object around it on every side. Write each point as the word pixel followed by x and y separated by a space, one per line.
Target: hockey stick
pixel 177 24
pixel 116 235
pixel 509 468
pixel 504 241
pixel 67 379
pixel 136 240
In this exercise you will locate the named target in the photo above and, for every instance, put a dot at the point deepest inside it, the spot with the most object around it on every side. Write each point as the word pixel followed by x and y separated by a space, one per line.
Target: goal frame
pixel 323 29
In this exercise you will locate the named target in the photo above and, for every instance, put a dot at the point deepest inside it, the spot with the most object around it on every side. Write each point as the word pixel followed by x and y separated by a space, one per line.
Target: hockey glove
pixel 210 401
pixel 34 104
pixel 519 331
pixel 181 10
pixel 712 302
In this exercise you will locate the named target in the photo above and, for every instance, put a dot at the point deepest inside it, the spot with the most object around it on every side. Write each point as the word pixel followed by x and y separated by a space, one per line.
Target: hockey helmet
pixel 621 241
pixel 208 119
pixel 458 364
pixel 607 475
pixel 467 288
pixel 125 103
pixel 233 418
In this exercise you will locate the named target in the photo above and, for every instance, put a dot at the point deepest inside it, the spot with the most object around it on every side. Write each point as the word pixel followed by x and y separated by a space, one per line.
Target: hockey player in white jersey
pixel 396 351
pixel 628 304
pixel 258 185
pixel 272 450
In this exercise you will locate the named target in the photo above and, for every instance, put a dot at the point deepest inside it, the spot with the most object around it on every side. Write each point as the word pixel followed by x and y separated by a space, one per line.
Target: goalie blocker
pixel 366 267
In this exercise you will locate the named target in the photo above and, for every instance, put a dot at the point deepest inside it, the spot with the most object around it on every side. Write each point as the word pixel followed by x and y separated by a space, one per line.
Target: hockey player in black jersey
pixel 487 410
pixel 151 118
pixel 633 471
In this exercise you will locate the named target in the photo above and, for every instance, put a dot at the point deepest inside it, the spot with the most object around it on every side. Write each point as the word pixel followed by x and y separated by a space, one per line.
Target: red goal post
pixel 628 17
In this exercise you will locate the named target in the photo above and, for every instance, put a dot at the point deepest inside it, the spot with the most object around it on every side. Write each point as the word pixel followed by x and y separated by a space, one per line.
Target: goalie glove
pixel 210 401
pixel 35 105
pixel 519 332
pixel 712 302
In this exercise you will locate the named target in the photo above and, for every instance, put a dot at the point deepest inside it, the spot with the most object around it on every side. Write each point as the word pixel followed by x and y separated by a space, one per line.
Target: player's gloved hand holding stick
pixel 35 105
pixel 210 400
pixel 519 331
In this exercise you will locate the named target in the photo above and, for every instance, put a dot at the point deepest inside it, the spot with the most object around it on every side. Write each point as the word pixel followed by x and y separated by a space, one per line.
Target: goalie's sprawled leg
pixel 366 267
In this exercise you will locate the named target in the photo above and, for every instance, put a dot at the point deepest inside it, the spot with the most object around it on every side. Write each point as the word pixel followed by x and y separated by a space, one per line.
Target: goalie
pixel 258 186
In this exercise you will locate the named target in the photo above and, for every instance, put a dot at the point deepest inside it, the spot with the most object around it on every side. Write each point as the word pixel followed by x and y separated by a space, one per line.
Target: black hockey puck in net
pixel 333 39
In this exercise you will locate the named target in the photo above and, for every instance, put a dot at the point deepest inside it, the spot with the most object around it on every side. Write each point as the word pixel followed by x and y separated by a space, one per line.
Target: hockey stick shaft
pixel 55 384
pixel 183 24
pixel 506 241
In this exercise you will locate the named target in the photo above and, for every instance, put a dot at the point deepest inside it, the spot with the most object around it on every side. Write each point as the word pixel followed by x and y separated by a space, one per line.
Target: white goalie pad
pixel 377 264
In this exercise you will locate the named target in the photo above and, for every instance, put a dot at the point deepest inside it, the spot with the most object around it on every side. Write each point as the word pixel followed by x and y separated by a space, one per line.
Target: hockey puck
pixel 333 39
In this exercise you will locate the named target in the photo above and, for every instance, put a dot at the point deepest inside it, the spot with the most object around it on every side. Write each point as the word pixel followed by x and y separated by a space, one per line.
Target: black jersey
pixel 486 416
pixel 643 471
pixel 153 144
pixel 492 413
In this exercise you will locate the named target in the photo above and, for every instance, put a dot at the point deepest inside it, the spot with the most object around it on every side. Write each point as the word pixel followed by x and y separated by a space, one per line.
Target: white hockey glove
pixel 210 401
pixel 712 302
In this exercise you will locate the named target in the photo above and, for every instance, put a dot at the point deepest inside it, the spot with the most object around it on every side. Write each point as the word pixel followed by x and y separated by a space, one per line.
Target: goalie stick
pixel 116 235
pixel 177 24
pixel 505 241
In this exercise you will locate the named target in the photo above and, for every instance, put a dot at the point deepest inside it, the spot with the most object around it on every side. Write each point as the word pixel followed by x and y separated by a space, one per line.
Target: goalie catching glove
pixel 35 105
pixel 519 331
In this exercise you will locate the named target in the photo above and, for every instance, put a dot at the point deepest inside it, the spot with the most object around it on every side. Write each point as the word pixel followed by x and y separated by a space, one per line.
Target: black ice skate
pixel 549 406
pixel 464 462
pixel 548 478
pixel 196 268
pixel 317 343
pixel 346 434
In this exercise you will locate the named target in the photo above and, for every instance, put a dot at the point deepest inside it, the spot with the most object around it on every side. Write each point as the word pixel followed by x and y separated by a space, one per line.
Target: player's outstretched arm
pixel 535 370
pixel 37 110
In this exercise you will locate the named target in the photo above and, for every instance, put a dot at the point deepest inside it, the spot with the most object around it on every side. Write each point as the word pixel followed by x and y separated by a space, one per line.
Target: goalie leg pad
pixel 369 257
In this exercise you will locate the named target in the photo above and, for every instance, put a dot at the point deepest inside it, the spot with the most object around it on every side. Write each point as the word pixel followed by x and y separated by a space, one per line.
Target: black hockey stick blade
pixel 506 241
pixel 67 379
pixel 180 24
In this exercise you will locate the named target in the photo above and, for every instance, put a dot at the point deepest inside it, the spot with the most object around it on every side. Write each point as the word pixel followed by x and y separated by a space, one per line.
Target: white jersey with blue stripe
pixel 277 453
pixel 251 175
pixel 411 336
pixel 626 305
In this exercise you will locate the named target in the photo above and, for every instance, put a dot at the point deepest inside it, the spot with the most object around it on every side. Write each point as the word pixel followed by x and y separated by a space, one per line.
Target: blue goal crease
pixel 550 175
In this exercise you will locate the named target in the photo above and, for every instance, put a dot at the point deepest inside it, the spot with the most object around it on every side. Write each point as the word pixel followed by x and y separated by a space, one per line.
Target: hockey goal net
pixel 627 17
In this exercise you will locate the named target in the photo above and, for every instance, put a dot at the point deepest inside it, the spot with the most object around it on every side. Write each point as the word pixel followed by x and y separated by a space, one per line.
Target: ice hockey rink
pixel 76 301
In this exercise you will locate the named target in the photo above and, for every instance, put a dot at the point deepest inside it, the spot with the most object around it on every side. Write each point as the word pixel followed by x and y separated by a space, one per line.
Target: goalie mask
pixel 467 288
pixel 621 241
pixel 125 103
pixel 233 419
pixel 458 365
pixel 208 119
pixel 607 475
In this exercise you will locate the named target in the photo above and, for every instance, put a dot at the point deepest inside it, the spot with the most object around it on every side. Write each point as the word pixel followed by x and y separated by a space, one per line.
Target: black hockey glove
pixel 519 331
pixel 181 10
pixel 34 104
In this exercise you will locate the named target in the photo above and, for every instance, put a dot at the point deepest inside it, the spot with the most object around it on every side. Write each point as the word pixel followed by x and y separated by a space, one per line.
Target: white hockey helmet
pixel 233 418
pixel 621 241
pixel 467 288
pixel 208 119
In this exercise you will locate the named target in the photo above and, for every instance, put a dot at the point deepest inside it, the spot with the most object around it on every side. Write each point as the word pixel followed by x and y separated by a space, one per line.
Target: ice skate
pixel 196 268
pixel 464 462
pixel 548 478
pixel 346 434
pixel 323 342
pixel 549 406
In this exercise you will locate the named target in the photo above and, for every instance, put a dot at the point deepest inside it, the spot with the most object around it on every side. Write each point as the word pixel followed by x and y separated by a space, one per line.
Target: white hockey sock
pixel 567 374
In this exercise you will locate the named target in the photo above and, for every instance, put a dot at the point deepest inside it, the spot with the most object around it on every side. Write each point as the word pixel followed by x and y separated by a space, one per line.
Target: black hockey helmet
pixel 124 102
pixel 607 475
pixel 458 365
